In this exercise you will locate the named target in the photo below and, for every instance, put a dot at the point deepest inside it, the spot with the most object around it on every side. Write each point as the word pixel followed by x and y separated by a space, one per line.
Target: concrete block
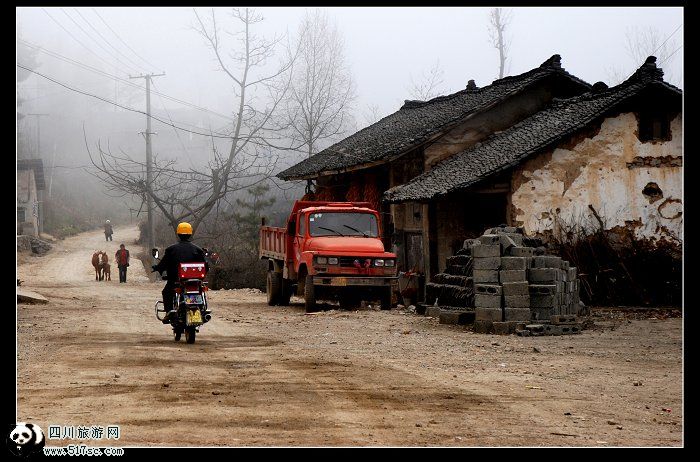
pixel 546 261
pixel 485 276
pixel 433 311
pixel 541 314
pixel 521 251
pixel 541 275
pixel 490 239
pixel 488 314
pixel 542 289
pixel 491 263
pixel 516 288
pixel 565 329
pixel 512 276
pixel 522 332
pixel 488 289
pixel 486 250
pixel 565 265
pixel 563 319
pixel 456 317
pixel 535 328
pixel 572 273
pixel 468 243
pixel 503 327
pixel 483 327
pixel 506 243
pixel 487 301
pixel 517 301
pixel 543 301
pixel 421 308
pixel 459 260
pixel 517 314
pixel 514 263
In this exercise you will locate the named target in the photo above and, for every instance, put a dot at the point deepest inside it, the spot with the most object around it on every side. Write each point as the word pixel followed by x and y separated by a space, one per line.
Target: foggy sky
pixel 385 48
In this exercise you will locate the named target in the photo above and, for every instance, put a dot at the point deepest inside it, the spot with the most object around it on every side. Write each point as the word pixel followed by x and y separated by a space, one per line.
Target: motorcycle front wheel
pixel 190 333
pixel 178 334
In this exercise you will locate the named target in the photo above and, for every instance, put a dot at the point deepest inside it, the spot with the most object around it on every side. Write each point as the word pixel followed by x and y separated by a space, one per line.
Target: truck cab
pixel 329 250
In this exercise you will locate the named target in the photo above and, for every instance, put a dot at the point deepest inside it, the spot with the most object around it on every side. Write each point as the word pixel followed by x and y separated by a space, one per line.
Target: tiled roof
pixel 417 121
pixel 542 130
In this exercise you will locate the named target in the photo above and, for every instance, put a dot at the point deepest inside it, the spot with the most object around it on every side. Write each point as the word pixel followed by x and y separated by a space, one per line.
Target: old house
pixel 30 184
pixel 533 150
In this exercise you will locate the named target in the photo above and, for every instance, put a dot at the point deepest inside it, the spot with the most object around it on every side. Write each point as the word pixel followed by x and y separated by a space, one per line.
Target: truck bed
pixel 273 242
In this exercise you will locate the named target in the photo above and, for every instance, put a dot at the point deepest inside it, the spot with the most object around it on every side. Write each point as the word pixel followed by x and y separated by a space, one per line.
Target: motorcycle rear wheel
pixel 190 334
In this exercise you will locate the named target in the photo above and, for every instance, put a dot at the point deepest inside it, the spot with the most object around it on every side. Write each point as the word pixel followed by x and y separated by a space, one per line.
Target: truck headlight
pixel 333 260
pixel 322 260
pixel 389 262
pixel 379 262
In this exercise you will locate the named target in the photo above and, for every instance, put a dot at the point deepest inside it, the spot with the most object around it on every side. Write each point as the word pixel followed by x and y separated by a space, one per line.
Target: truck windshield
pixel 343 224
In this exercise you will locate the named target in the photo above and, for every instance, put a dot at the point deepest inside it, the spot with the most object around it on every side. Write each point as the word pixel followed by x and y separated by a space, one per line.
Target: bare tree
pixel 430 84
pixel 191 193
pixel 641 43
pixel 322 89
pixel 372 114
pixel 498 23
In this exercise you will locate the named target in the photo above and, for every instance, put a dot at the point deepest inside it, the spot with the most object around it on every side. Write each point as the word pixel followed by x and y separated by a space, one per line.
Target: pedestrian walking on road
pixel 122 258
pixel 108 231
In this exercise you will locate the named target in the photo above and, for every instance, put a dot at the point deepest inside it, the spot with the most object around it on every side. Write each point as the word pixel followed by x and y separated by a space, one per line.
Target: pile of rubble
pixel 26 243
pixel 502 283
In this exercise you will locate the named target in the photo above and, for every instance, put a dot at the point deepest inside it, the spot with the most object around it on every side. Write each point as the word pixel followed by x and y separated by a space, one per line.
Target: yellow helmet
pixel 184 228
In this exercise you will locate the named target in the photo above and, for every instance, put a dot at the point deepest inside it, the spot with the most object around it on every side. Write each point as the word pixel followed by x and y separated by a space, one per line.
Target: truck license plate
pixel 339 282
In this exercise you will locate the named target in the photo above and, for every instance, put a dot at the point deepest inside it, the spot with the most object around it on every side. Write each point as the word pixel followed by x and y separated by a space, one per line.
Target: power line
pixel 667 39
pixel 74 38
pixel 114 77
pixel 209 135
pixel 109 53
pixel 138 66
pixel 122 41
pixel 672 53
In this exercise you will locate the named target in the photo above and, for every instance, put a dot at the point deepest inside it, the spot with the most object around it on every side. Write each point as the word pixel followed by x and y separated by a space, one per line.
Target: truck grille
pixel 349 261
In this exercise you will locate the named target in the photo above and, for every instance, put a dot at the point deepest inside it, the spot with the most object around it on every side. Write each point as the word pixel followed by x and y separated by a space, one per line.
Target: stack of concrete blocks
pixel 502 297
pixel 554 288
pixel 450 295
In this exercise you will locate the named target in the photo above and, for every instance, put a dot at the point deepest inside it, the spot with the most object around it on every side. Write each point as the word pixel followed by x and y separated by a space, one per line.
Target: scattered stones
pixel 536 350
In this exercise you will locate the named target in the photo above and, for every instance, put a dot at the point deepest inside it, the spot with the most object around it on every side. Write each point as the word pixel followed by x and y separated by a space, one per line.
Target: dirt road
pixel 261 376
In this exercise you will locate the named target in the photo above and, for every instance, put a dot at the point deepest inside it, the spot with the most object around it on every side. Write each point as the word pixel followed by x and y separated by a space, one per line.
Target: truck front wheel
pixel 385 300
pixel 309 294
pixel 274 288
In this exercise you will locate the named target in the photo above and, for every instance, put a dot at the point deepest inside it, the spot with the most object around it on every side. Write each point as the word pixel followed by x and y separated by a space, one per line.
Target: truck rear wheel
pixel 274 288
pixel 286 292
pixel 385 300
pixel 309 294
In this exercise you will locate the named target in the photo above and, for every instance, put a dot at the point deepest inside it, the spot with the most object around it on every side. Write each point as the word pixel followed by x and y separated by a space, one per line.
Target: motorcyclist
pixel 182 252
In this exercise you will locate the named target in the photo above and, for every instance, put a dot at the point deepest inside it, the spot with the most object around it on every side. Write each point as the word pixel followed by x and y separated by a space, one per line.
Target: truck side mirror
pixel 291 228
pixel 155 253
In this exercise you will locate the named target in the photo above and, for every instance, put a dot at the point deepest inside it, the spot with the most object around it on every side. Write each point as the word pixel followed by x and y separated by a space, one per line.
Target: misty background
pixel 380 57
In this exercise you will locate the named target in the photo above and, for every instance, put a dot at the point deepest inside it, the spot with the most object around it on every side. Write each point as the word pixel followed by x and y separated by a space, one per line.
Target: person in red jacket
pixel 122 258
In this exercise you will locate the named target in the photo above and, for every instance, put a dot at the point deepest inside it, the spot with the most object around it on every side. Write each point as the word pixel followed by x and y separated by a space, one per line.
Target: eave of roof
pixel 418 122
pixel 534 134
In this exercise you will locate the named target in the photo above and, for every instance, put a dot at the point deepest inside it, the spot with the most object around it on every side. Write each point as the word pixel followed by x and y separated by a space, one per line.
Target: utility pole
pixel 40 193
pixel 149 167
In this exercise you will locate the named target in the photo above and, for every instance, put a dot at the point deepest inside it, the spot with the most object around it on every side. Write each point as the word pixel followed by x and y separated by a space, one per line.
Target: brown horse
pixel 96 265
pixel 105 267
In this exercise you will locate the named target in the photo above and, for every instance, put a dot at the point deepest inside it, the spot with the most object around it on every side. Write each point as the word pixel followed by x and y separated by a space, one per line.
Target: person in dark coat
pixel 182 252
pixel 122 259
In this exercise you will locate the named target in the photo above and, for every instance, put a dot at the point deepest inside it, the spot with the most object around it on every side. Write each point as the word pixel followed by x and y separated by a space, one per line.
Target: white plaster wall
pixel 595 172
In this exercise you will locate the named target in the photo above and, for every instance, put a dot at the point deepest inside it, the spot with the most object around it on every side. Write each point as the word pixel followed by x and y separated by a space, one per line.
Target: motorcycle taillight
pixel 178 290
pixel 192 286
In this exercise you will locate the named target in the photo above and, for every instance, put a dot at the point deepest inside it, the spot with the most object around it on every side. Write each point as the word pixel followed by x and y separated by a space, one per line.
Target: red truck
pixel 328 251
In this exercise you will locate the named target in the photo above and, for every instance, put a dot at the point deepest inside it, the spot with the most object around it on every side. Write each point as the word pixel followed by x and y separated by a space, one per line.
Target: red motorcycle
pixel 190 301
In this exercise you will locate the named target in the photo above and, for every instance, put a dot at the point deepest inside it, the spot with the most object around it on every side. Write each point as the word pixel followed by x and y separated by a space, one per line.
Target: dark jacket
pixel 108 229
pixel 182 252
